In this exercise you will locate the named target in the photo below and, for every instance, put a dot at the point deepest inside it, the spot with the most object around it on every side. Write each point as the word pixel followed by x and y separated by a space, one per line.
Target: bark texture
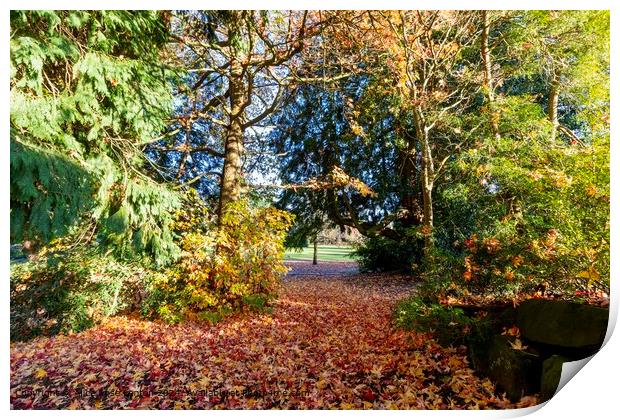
pixel 488 74
pixel 230 188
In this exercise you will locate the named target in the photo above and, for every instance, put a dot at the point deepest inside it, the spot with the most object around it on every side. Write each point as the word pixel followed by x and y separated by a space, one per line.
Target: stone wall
pixel 529 360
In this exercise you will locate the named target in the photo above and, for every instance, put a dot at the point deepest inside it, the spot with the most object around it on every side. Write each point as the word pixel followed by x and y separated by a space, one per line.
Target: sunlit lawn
pixel 326 253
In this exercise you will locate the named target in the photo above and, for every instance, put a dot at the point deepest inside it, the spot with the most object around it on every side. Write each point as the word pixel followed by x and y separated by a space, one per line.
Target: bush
pixel 526 217
pixel 448 324
pixel 222 268
pixel 69 287
pixel 383 254
pixel 70 291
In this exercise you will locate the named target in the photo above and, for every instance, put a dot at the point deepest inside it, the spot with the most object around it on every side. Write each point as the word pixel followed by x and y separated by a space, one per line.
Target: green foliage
pixel 448 324
pixel 49 193
pixel 77 86
pixel 87 88
pixel 572 45
pixel 69 291
pixel 383 254
pixel 142 223
pixel 527 215
pixel 222 267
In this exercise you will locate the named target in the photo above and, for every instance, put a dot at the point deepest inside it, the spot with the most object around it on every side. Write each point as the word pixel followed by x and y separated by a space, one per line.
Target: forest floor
pixel 328 342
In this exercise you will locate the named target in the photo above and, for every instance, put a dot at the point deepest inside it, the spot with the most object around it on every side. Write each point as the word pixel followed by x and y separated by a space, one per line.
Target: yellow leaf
pixel 590 275
pixel 591 190
pixel 74 405
pixel 40 373
pixel 518 345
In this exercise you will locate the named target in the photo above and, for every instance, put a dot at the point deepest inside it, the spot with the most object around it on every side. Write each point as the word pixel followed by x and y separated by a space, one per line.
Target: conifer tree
pixel 87 89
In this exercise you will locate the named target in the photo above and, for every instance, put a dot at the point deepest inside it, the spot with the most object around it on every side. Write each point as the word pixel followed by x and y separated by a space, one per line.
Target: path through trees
pixel 328 343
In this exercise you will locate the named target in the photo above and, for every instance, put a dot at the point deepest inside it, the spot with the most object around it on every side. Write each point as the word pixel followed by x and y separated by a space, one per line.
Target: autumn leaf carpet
pixel 328 343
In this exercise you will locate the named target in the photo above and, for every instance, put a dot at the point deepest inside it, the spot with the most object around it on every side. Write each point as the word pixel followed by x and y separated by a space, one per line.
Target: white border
pixel 593 394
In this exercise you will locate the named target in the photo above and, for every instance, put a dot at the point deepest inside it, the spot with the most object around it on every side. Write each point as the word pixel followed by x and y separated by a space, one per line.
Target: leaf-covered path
pixel 328 343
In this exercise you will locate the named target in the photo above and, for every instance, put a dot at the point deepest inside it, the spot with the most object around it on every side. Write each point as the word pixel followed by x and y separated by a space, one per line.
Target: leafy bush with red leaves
pixel 526 218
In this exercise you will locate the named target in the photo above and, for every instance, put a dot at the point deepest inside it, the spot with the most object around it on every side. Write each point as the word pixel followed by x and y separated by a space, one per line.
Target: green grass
pixel 326 253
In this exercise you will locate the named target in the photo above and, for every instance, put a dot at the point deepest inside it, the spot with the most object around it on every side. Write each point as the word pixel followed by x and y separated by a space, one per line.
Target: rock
pixel 565 324
pixel 479 344
pixel 551 373
pixel 481 336
pixel 517 372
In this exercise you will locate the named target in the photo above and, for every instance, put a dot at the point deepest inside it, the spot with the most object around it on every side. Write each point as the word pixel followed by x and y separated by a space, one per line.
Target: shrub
pixel 384 254
pixel 224 267
pixel 526 217
pixel 70 291
pixel 68 287
pixel 448 324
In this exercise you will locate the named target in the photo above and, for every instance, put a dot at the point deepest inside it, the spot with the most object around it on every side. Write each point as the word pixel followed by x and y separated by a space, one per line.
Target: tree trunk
pixel 315 256
pixel 488 75
pixel 552 106
pixel 409 185
pixel 427 195
pixel 428 178
pixel 230 187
